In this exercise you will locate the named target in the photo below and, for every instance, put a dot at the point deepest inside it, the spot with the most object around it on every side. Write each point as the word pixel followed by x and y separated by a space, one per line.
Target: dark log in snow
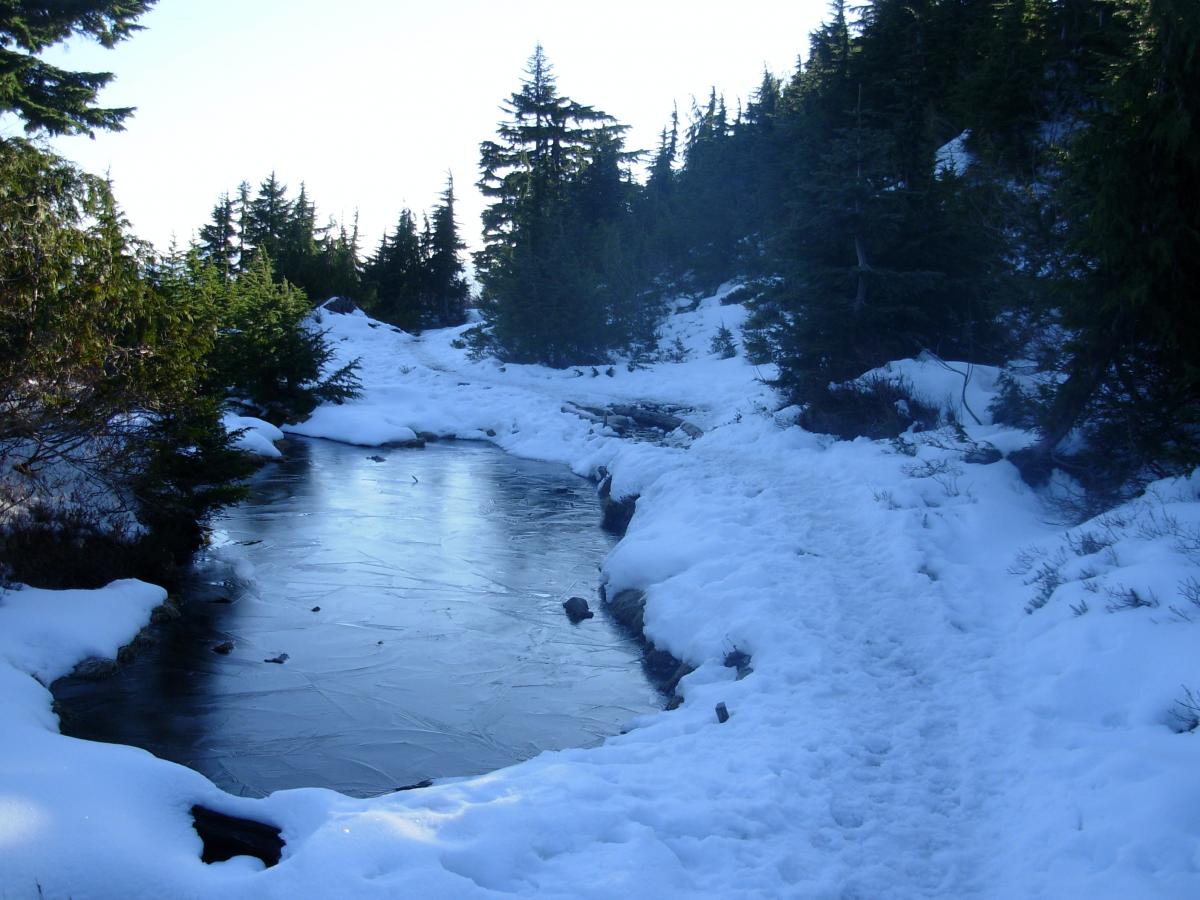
pixel 225 837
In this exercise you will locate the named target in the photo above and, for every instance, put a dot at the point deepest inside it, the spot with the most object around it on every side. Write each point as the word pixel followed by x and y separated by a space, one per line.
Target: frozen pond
pixel 418 600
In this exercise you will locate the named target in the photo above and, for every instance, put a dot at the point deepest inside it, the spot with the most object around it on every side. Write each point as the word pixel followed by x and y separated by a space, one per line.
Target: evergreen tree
pixel 396 277
pixel 47 98
pixel 448 289
pixel 219 238
pixel 1133 173
pixel 267 219
pixel 539 267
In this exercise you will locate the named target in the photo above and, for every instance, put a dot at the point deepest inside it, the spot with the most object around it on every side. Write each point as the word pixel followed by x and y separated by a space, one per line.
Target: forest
pixel 990 180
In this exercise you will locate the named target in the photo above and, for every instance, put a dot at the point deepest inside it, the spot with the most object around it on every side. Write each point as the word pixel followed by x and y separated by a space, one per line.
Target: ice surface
pixel 418 596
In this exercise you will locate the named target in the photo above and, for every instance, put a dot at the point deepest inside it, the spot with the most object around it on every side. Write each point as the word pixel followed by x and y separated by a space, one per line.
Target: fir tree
pixel 53 100
pixel 219 238
pixel 448 285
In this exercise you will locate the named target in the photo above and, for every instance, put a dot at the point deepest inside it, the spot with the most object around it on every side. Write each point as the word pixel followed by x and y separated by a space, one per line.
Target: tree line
pixel 1065 233
pixel 414 279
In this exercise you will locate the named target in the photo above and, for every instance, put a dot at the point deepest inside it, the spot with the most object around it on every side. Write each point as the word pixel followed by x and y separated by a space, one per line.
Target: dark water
pixel 440 647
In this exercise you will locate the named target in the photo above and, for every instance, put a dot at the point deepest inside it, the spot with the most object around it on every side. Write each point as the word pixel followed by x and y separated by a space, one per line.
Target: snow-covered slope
pixel 908 729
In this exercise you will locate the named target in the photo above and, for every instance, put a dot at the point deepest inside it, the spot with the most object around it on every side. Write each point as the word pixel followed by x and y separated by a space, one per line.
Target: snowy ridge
pixel 909 730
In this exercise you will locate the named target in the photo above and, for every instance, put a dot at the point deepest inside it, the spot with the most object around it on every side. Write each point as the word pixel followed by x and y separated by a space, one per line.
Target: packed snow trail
pixel 908 730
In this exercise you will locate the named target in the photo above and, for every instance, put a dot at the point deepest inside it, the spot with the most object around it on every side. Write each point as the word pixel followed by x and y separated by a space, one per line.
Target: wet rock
pixel 414 443
pixel 722 713
pixel 671 685
pixel 280 659
pixel 577 610
pixel 428 437
pixel 616 513
pixel 629 608
pixel 226 836
pixel 224 648
pixel 675 702
pixel 95 668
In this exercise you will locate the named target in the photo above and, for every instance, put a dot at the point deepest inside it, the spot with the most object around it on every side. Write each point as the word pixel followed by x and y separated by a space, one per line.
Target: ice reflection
pixel 439 646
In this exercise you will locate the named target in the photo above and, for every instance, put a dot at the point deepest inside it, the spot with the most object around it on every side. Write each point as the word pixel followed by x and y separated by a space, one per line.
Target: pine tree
pixel 53 100
pixel 219 238
pixel 396 276
pixel 448 284
pixel 267 219
pixel 1133 173
pixel 539 265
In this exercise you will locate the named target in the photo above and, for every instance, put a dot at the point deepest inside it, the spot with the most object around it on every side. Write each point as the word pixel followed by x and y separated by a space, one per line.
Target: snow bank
pixel 908 730
pixel 257 438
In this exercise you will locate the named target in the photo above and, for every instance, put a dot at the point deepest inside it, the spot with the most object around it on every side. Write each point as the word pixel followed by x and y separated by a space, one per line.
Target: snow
pixel 909 729
pixel 953 157
pixel 257 436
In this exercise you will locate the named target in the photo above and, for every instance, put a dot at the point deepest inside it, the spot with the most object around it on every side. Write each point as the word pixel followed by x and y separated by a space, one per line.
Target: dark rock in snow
pixel 414 443
pixel 280 659
pixel 315 609
pixel 424 783
pixel 629 607
pixel 428 437
pixel 341 305
pixel 224 648
pixel 616 513
pixel 722 713
pixel 577 609
pixel 740 660
pixel 983 454
pixel 675 702
pixel 225 837
pixel 94 668
pixel 167 612
pixel 376 458
pixel 490 433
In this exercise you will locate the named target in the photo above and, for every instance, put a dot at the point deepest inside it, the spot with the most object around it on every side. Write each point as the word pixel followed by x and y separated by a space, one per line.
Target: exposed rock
pixel 315 609
pixel 722 713
pixel 95 668
pixel 616 513
pixel 628 607
pixel 224 648
pixel 671 685
pixel 221 600
pixel 226 836
pixel 577 610
pixel 376 458
pixel 168 612
pixel 740 660
pixel 280 659
pixel 341 305
pixel 428 437
pixel 983 454
pixel 490 432
pixel 1035 464
pixel 424 783
pixel 675 702
pixel 414 443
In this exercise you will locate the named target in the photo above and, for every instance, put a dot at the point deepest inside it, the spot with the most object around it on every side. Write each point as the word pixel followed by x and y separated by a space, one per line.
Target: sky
pixel 372 103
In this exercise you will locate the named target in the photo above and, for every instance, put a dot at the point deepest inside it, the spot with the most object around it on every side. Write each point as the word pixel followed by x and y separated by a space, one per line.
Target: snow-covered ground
pixel 951 695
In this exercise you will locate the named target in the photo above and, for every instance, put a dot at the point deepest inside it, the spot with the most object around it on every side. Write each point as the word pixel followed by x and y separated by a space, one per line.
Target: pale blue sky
pixel 372 102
